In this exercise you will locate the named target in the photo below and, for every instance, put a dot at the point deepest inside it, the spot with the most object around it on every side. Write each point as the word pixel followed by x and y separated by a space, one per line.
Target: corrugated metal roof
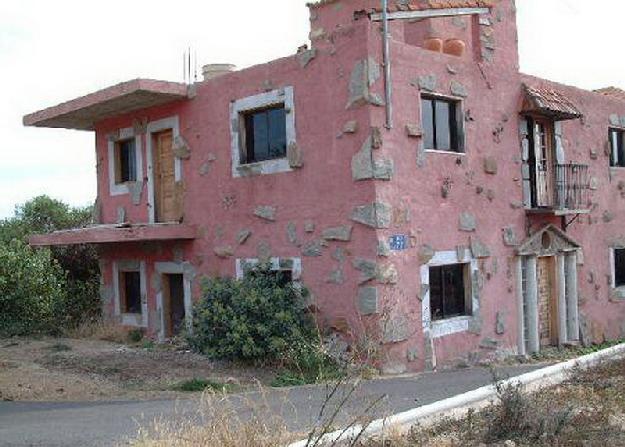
pixel 613 92
pixel 420 5
pixel 547 101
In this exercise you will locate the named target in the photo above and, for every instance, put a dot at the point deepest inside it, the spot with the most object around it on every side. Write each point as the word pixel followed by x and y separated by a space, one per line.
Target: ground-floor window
pixel 286 270
pixel 130 291
pixel 618 267
pixel 448 292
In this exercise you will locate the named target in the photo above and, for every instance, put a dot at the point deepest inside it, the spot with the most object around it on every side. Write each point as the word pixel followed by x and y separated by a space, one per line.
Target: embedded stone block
pixel 350 127
pixel 479 249
pixel 243 236
pixel 266 212
pixel 224 251
pixel 509 237
pixel 458 89
pixel 181 148
pixel 313 248
pixel 341 233
pixel 294 155
pixel 426 253
pixel 467 222
pixel 305 57
pixel 368 301
pixel 490 165
pixel 368 269
pixel 376 215
pixel 364 74
pixel 427 82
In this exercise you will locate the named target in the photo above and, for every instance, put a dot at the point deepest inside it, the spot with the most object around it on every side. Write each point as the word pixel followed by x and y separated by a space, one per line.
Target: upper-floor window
pixel 265 134
pixel 617 146
pixel 125 161
pixel 449 296
pixel 441 124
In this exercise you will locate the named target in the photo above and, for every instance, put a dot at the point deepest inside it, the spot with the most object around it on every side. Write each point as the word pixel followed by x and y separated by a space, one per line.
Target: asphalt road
pixel 113 423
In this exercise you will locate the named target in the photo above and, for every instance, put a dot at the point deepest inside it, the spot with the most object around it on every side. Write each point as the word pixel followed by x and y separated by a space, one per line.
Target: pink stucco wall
pixel 323 191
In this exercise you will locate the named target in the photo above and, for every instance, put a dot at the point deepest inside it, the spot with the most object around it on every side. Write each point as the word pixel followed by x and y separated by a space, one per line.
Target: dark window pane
pixel 132 291
pixel 436 293
pixel 442 121
pixel 127 160
pixel 447 291
pixel 427 112
pixel 619 267
pixel 617 146
pixel 620 148
pixel 265 134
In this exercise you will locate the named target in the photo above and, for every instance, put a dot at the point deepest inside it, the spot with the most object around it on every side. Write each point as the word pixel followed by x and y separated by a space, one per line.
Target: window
pixel 265 134
pixel 619 267
pixel 262 133
pixel 448 292
pixel 130 291
pixel 125 161
pixel 284 277
pixel 441 124
pixel 617 145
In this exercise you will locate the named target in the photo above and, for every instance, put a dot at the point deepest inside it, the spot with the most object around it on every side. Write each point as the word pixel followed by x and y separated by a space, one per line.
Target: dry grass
pixel 217 423
pixel 100 330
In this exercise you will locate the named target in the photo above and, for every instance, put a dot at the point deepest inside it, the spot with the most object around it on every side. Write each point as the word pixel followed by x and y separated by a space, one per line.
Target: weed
pixel 59 347
pixel 135 335
pixel 199 385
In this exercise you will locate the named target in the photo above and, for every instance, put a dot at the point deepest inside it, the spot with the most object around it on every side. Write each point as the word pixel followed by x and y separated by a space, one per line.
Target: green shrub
pixel 31 285
pixel 257 318
pixel 196 385
pixel 80 301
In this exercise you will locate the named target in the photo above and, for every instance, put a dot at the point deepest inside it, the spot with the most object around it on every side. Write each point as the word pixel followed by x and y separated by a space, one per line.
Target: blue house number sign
pixel 398 242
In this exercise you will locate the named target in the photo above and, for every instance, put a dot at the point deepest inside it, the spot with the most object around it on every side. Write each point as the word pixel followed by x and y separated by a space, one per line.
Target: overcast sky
pixel 53 51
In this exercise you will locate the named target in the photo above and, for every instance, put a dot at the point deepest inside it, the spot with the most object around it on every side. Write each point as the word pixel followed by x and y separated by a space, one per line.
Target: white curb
pixel 458 405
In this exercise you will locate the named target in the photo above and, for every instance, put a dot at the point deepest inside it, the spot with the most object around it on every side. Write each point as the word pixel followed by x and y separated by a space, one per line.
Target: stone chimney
pixel 212 71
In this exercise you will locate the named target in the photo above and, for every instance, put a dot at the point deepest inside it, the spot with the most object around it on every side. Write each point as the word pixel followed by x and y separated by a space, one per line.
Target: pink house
pixel 436 202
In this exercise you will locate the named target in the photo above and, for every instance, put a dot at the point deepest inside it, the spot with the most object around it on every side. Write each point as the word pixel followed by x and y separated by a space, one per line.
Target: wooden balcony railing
pixel 571 186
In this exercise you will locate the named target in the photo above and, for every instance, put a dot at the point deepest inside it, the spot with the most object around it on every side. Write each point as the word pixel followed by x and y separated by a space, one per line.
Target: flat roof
pixel 110 234
pixel 82 113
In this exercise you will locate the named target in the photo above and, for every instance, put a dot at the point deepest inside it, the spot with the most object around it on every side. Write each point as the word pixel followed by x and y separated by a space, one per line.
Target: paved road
pixel 112 423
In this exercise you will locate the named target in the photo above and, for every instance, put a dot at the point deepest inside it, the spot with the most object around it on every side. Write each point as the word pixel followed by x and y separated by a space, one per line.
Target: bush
pixel 79 263
pixel 257 318
pixel 31 286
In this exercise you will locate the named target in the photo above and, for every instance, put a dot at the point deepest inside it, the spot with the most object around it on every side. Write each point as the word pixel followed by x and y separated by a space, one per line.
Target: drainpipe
pixel 387 67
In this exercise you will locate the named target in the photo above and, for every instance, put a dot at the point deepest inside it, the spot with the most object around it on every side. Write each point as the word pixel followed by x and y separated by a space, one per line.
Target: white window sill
pixel 442 328
pixel 436 151
pixel 263 168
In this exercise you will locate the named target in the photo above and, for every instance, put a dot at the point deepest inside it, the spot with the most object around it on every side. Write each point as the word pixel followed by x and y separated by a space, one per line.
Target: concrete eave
pixel 82 113
pixel 109 234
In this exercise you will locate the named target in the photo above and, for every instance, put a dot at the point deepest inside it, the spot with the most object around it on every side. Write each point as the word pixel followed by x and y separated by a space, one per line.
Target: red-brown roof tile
pixel 549 102
pixel 613 92
pixel 420 5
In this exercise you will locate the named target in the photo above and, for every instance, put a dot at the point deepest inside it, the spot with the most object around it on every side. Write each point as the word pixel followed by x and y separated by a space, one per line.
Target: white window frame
pixel 174 268
pixel 442 328
pixel 153 127
pixel 118 189
pixel 128 319
pixel 264 100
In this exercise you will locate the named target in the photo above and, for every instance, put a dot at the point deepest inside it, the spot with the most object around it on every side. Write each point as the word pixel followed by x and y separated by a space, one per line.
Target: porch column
pixel 532 306
pixel 518 266
pixel 562 304
pixel 572 299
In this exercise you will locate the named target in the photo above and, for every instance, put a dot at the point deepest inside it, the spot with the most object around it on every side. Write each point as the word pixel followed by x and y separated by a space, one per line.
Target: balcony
pixel 561 190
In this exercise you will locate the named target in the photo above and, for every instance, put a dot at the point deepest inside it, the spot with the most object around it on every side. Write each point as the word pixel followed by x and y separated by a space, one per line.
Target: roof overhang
pixel 108 234
pixel 548 102
pixel 82 113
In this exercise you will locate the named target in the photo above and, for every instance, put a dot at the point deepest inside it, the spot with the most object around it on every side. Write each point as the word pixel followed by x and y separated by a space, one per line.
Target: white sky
pixel 53 51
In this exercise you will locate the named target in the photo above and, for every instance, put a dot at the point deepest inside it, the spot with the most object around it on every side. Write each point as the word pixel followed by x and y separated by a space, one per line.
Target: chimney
pixel 212 71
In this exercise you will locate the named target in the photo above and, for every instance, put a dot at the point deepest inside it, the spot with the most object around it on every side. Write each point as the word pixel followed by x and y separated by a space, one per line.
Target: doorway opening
pixel 174 312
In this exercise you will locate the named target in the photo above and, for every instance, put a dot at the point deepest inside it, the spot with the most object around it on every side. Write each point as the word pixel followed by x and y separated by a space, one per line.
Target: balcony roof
pixel 549 102
pixel 108 234
pixel 82 113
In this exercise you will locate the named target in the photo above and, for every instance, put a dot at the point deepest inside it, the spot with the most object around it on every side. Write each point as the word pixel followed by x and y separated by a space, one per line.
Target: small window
pixel 125 161
pixel 441 124
pixel 448 292
pixel 617 145
pixel 265 134
pixel 130 291
pixel 283 277
pixel 619 267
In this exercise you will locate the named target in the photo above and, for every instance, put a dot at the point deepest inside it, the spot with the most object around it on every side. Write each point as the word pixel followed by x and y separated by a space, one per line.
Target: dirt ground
pixel 61 369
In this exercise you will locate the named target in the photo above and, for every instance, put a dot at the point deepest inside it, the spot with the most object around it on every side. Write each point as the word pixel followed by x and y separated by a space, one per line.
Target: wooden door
pixel 547 301
pixel 544 158
pixel 166 199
